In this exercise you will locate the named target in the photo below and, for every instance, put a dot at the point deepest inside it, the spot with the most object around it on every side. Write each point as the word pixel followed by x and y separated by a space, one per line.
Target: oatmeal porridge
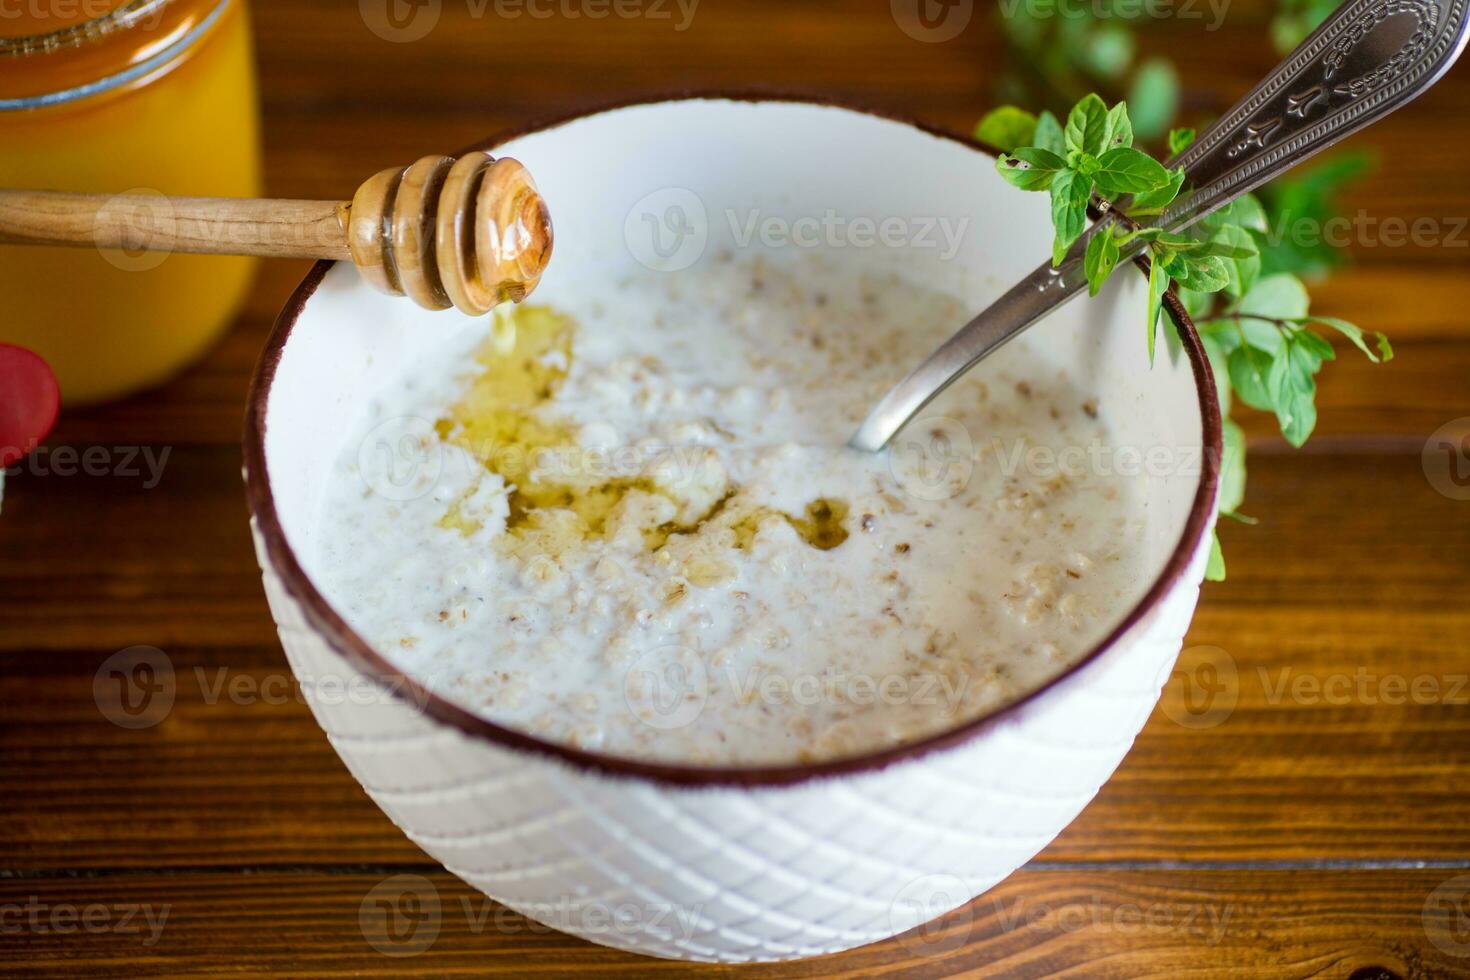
pixel 627 521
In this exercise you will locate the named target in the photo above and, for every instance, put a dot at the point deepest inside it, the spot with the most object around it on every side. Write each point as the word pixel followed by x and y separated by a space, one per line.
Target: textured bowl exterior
pixel 732 874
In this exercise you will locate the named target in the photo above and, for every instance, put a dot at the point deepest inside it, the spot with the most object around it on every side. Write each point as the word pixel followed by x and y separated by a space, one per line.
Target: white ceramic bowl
pixel 738 864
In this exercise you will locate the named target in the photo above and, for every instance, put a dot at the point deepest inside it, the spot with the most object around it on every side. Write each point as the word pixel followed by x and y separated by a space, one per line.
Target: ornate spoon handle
pixel 1366 60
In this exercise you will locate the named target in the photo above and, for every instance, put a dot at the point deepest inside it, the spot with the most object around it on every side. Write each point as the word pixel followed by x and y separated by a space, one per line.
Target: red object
pixel 29 401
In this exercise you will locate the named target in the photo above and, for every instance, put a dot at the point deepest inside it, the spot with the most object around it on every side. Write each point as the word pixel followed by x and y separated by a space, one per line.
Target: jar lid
pixel 67 50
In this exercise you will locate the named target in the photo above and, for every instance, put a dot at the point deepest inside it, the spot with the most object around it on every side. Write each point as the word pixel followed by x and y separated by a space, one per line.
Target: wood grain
pixel 1305 794
pixel 1109 924
pixel 203 225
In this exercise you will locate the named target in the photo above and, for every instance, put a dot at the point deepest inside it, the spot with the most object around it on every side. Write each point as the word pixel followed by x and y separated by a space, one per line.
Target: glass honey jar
pixel 113 96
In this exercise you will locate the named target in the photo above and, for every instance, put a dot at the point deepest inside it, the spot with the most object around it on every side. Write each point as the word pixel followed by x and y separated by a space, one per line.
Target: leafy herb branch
pixel 1257 329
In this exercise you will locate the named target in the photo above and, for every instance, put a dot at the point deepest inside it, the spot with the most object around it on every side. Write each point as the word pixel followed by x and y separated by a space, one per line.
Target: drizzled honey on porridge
pixel 627 521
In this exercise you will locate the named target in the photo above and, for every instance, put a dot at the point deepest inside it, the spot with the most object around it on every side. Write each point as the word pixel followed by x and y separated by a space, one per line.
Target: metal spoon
pixel 1366 60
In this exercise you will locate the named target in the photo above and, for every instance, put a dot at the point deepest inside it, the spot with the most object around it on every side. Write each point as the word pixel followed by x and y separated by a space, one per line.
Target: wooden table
pixel 1302 833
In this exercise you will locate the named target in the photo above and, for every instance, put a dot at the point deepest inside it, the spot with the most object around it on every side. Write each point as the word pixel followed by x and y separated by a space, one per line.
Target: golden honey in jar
pixel 109 96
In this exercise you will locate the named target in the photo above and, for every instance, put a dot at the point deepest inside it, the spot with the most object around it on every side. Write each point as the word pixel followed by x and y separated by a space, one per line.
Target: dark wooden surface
pixel 1319 828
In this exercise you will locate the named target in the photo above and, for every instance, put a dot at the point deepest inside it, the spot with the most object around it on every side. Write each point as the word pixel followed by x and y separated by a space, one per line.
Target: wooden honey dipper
pixel 468 232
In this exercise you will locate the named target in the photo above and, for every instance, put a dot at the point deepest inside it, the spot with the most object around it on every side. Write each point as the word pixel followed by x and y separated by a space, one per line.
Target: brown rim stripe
pixel 348 644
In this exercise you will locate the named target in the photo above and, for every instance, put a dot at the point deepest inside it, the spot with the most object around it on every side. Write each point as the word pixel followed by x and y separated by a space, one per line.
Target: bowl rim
pixel 346 642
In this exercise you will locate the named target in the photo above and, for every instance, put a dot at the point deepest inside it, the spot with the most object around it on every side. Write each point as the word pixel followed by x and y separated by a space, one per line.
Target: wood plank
pixel 104 562
pixel 1410 302
pixel 1299 923
pixel 237 772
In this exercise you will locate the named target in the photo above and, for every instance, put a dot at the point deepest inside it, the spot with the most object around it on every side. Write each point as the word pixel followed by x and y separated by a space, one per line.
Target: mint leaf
pixel 1156 200
pixel 1313 348
pixel 1261 334
pixel 1049 135
pixel 1249 368
pixel 1224 250
pixel 1244 266
pixel 1245 211
pixel 1120 129
pixel 1355 334
pixel 1030 168
pixel 1232 468
pixel 1197 305
pixel 1217 332
pixel 1102 256
pixel 1124 170
pixel 1006 128
pixel 1293 390
pixel 1192 270
pixel 1278 297
pixel 1180 140
pixel 1070 192
pixel 1174 241
pixel 1215 567
pixel 1087 126
pixel 1158 282
pixel 1215 354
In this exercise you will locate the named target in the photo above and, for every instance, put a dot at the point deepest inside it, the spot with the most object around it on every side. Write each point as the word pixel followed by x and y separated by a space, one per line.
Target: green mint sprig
pixel 1092 162
pixel 1256 329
